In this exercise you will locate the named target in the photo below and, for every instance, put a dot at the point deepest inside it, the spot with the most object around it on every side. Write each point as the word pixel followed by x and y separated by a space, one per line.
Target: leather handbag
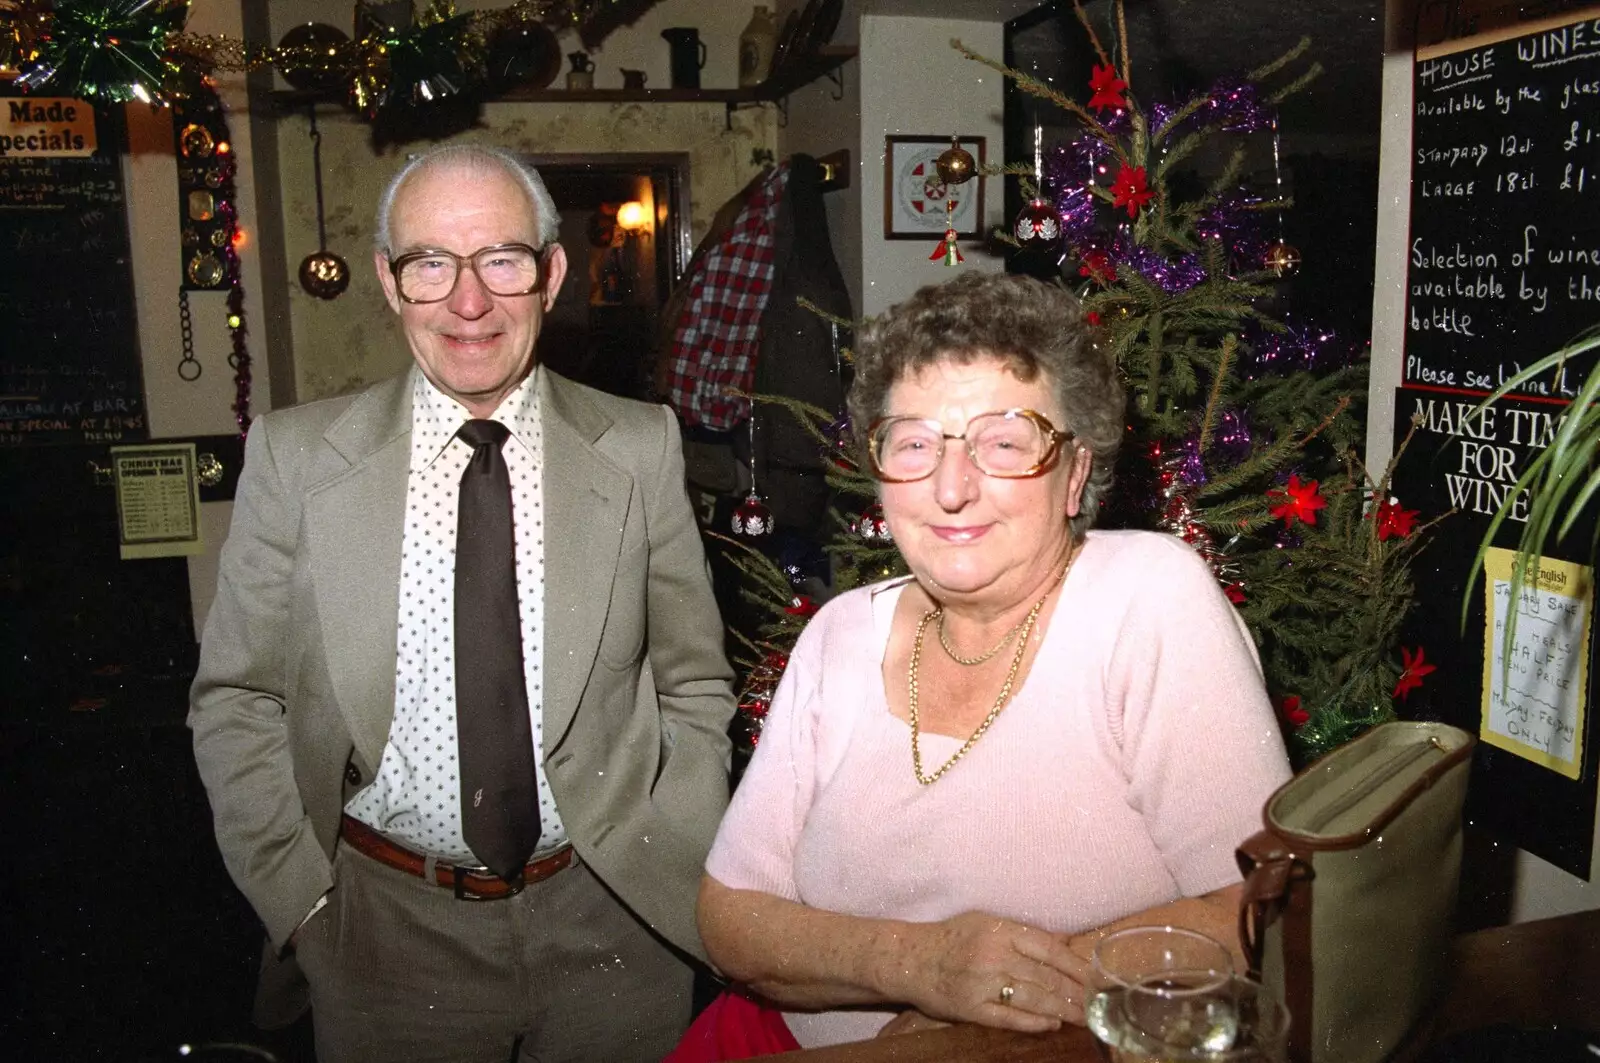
pixel 1351 888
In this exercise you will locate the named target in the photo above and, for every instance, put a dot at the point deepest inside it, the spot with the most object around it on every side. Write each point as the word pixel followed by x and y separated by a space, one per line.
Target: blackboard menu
pixel 69 356
pixel 1503 269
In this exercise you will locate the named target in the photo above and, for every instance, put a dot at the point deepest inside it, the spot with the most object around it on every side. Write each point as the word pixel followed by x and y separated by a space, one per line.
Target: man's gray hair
pixel 472 157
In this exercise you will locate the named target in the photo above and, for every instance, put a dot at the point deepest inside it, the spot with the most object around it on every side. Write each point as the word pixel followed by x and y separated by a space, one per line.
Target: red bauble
pixel 871 527
pixel 1037 224
pixel 752 519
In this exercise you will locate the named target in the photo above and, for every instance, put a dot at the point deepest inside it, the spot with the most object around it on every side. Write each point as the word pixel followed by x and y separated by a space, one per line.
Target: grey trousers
pixel 401 970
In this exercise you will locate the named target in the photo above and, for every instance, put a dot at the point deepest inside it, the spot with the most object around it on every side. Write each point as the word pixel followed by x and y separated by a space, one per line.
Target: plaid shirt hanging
pixel 718 334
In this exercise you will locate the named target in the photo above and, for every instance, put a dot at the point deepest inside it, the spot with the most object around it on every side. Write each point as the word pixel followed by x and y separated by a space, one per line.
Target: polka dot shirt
pixel 415 798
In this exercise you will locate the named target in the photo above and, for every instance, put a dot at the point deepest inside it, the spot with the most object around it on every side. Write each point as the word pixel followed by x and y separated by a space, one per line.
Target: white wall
pixel 1540 889
pixel 913 82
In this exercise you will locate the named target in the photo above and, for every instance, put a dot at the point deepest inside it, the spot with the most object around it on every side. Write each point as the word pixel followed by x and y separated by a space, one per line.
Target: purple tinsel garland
pixel 1070 168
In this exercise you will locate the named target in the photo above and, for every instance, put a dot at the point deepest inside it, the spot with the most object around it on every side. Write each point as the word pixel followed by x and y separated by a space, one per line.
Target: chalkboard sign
pixel 69 362
pixel 1467 462
pixel 1504 257
pixel 1503 269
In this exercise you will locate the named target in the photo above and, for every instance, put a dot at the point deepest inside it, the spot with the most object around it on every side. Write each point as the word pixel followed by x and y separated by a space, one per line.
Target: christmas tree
pixel 1242 425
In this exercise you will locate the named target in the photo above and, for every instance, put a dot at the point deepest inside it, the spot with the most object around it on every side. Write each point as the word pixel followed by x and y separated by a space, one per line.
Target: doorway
pixel 625 228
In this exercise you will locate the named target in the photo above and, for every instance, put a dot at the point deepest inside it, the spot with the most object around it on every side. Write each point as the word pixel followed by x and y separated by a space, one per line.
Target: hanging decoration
pixel 104 51
pixel 311 40
pixel 871 526
pixel 752 519
pixel 1037 225
pixel 210 235
pixel 322 273
pixel 1281 257
pixel 948 251
pixel 113 51
pixel 955 164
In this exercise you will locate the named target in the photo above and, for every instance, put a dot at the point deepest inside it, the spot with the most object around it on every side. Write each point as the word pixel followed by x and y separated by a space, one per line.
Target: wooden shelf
pixel 785 80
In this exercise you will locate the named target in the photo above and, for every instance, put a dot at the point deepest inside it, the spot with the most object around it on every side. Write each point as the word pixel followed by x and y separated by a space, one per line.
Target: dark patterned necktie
pixel 499 792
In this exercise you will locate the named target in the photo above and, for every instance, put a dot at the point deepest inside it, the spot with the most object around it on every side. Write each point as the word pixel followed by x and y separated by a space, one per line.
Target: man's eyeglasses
pixel 429 276
pixel 1008 444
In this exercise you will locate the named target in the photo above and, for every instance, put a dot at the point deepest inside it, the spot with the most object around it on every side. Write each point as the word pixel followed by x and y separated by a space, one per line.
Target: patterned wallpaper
pixel 355 340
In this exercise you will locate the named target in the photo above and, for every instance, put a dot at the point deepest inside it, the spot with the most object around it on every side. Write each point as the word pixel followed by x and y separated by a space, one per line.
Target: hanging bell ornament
pixel 1037 224
pixel 948 251
pixel 871 527
pixel 752 519
pixel 1282 258
pixel 324 274
pixel 955 164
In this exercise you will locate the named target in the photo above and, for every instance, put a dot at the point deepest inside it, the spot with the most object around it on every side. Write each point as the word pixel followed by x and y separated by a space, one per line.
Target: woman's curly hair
pixel 1033 328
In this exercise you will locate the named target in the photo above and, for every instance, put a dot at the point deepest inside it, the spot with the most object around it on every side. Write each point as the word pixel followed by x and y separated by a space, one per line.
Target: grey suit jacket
pixel 295 691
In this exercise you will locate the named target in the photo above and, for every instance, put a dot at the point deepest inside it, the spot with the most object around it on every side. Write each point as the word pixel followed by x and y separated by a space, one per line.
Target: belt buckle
pixel 458 880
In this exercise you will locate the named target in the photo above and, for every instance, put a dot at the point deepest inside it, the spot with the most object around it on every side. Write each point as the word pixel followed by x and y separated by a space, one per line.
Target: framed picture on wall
pixel 917 203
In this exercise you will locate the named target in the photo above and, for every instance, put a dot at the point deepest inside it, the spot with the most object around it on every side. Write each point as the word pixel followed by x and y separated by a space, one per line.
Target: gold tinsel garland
pixel 440 54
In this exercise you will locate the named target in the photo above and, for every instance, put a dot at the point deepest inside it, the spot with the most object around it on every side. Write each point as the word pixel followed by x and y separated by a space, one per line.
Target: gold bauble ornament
pixel 956 165
pixel 1282 258
pixel 324 274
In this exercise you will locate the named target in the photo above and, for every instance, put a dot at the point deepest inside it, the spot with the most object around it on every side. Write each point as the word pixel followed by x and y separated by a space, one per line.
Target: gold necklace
pixel 1025 629
pixel 980 658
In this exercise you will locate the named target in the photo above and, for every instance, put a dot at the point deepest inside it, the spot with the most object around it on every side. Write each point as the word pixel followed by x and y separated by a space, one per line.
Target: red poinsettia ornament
pixel 1298 502
pixel 1289 705
pixel 1098 267
pixel 1412 672
pixel 1393 521
pixel 1107 88
pixel 1129 190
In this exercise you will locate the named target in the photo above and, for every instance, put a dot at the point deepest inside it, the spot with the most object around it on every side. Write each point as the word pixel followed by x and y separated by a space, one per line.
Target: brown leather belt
pixel 469 884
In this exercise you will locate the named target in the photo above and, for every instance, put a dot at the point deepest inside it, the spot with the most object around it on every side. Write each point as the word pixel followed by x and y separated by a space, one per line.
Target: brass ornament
pixel 1282 258
pixel 205 270
pixel 956 165
pixel 324 274
pixel 208 469
pixel 195 141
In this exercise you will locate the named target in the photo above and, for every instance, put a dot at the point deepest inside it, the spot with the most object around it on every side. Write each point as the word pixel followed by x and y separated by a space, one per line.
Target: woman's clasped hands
pixel 982 968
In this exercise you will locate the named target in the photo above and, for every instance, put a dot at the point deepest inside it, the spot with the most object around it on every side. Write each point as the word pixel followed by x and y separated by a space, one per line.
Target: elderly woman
pixel 1044 732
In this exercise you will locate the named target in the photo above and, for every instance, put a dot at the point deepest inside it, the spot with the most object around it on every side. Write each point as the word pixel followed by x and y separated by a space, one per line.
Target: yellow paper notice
pixel 158 500
pixel 1533 705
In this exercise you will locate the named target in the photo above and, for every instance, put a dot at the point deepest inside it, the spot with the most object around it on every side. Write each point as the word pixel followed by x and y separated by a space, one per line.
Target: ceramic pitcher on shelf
pixel 581 76
pixel 687 54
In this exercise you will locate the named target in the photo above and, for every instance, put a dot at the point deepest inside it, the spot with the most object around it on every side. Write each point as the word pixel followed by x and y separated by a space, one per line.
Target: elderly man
pixel 462 703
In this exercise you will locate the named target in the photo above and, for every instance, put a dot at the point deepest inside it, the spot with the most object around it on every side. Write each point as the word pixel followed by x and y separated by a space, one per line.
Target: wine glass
pixel 1161 993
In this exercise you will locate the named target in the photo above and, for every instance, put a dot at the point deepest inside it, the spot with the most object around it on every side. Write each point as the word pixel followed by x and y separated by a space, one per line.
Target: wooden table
pixel 1530 974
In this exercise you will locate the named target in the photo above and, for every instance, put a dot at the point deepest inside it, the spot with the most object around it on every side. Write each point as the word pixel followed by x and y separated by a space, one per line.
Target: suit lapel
pixel 355 526
pixel 586 503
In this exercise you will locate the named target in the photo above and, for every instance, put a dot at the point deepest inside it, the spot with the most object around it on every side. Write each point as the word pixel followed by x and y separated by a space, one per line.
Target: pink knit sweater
pixel 1121 776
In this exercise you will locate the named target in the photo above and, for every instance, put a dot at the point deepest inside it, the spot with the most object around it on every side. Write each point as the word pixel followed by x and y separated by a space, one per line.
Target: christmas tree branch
pixel 1343 404
pixel 842 322
pixel 1299 83
pixel 1094 38
pixel 1262 72
pixel 1122 43
pixel 1230 346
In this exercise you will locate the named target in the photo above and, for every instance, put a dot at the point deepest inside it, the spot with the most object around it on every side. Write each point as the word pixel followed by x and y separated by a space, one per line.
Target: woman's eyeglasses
pixel 1008 444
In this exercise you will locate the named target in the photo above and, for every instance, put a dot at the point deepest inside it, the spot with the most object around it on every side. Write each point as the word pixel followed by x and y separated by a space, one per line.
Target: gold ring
pixel 1007 991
